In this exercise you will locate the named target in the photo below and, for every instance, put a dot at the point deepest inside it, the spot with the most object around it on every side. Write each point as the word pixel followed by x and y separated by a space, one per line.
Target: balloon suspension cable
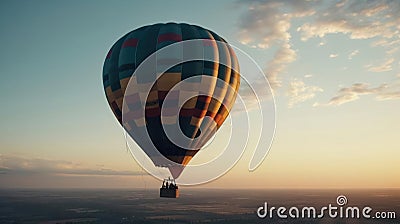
pixel 171 180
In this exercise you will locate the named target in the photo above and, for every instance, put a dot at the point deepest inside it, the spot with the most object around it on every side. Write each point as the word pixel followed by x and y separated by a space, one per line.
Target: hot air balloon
pixel 212 86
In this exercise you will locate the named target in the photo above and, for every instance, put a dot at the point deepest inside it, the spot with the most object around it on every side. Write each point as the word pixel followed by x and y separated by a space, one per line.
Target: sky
pixel 333 65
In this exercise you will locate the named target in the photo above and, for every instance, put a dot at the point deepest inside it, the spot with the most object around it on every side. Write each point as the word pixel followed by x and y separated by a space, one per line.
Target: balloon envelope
pixel 140 111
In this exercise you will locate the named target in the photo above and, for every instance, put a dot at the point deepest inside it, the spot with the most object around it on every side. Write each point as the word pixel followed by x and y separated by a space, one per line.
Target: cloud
pixel 300 92
pixel 275 67
pixel 357 19
pixel 266 24
pixel 253 94
pixel 391 46
pixel 341 3
pixel 352 54
pixel 389 95
pixel 308 75
pixel 385 43
pixel 352 93
pixel 19 165
pixel 384 67
pixel 333 55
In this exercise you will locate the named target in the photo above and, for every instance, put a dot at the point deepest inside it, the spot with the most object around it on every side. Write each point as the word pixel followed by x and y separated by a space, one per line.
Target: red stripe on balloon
pixel 130 43
pixel 109 54
pixel 162 94
pixel 205 99
pixel 210 114
pixel 169 37
pixel 186 112
pixel 153 112
pixel 195 112
pixel 199 113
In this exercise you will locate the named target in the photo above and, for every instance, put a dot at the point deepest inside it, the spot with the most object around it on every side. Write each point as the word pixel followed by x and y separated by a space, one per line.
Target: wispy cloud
pixel 352 54
pixel 389 95
pixel 300 92
pixel 352 93
pixel 253 94
pixel 333 55
pixel 391 46
pixel 308 75
pixel 358 19
pixel 383 67
pixel 20 165
pixel 275 67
